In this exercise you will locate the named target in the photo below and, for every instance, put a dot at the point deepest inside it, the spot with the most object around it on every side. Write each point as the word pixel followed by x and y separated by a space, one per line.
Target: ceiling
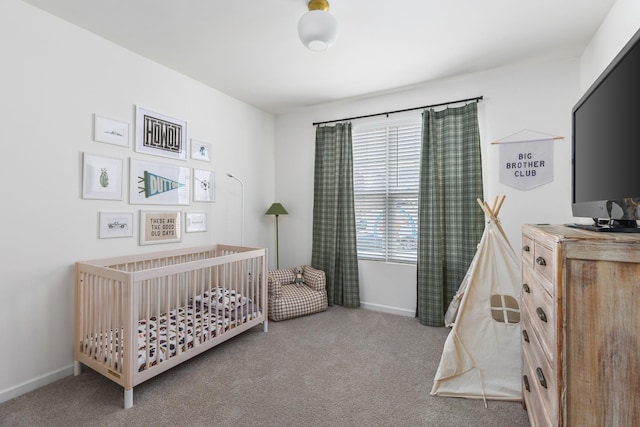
pixel 249 49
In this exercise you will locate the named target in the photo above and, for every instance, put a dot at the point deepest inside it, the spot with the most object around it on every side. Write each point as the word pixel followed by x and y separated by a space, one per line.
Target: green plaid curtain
pixel 450 223
pixel 334 226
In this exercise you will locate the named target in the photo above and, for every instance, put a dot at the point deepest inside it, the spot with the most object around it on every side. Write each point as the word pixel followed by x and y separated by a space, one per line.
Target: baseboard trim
pixel 388 309
pixel 35 383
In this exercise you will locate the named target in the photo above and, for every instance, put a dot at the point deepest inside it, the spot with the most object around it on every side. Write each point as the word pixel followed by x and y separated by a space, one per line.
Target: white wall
pixel 619 26
pixel 54 77
pixel 536 96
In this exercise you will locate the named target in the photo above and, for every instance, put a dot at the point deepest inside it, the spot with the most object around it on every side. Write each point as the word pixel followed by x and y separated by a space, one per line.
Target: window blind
pixel 386 168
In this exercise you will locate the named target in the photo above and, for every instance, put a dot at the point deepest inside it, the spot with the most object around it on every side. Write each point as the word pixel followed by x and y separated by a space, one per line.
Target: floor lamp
pixel 242 209
pixel 277 209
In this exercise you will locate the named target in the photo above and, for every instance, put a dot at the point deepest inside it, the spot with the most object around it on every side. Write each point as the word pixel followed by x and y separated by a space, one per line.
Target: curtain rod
pixel 477 98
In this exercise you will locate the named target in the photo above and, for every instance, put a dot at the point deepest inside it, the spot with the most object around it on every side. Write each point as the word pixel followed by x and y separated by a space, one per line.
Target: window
pixel 505 309
pixel 386 169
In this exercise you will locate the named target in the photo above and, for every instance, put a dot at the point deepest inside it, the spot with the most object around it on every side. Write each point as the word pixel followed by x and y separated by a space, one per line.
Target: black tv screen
pixel 606 145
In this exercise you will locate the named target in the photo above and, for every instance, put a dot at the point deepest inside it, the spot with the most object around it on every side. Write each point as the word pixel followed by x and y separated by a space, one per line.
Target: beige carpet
pixel 343 367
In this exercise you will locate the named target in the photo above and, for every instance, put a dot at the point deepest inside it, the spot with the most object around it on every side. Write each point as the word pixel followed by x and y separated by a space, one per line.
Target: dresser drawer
pixel 528 337
pixel 539 388
pixel 527 250
pixel 538 311
pixel 544 263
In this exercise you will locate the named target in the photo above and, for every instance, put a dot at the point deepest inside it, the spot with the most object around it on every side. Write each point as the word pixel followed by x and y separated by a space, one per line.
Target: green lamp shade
pixel 276 209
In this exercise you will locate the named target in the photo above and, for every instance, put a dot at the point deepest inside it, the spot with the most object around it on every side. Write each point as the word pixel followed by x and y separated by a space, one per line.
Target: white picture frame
pixel 195 222
pixel 110 131
pixel 160 135
pixel 160 227
pixel 204 185
pixel 200 150
pixel 153 183
pixel 101 177
pixel 115 224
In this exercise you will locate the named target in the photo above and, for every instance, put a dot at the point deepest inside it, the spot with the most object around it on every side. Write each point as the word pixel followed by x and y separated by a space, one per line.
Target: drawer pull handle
pixel 541 314
pixel 543 381
pixel 526 383
pixel 541 261
pixel 525 335
pixel 526 248
pixel 526 288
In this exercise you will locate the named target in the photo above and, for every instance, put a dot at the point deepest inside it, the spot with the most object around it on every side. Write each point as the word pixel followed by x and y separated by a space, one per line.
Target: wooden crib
pixel 137 316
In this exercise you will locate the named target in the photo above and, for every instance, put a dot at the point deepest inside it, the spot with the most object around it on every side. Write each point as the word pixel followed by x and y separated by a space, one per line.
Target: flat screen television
pixel 606 146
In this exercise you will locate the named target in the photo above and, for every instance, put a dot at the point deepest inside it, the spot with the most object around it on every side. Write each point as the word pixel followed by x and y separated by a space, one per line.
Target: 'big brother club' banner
pixel 526 164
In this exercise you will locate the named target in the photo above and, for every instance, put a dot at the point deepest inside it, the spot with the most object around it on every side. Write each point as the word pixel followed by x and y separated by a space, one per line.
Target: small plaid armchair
pixel 288 300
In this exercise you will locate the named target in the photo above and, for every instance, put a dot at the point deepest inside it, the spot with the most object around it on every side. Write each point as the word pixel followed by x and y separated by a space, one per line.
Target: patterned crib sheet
pixel 159 337
pixel 222 299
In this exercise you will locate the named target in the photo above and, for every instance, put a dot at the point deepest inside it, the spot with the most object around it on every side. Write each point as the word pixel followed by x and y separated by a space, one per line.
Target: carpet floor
pixel 342 367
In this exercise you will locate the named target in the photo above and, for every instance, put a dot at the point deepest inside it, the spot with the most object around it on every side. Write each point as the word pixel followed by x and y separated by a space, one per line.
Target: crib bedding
pixel 222 299
pixel 160 337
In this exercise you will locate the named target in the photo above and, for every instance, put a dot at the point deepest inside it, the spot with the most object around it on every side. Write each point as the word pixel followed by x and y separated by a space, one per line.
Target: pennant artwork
pixel 151 184
pixel 159 184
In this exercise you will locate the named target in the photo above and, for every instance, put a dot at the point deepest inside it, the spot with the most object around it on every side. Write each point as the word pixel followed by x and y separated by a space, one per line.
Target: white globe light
pixel 318 30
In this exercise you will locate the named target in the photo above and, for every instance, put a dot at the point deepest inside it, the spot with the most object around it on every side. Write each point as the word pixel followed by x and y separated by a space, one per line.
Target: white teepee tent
pixel 481 357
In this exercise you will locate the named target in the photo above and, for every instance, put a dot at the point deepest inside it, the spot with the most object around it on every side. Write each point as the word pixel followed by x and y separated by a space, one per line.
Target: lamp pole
pixel 242 207
pixel 277 246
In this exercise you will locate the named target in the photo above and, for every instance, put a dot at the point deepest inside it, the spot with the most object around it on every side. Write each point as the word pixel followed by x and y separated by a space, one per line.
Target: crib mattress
pixel 160 337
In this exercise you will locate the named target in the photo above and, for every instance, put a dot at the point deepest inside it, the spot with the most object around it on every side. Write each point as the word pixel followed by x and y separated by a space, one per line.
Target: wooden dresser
pixel 580 327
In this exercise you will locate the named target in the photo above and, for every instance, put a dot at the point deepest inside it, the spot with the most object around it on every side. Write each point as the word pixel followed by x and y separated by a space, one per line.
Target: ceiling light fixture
pixel 318 29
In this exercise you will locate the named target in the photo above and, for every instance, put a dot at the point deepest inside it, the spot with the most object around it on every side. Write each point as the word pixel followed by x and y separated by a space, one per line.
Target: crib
pixel 138 316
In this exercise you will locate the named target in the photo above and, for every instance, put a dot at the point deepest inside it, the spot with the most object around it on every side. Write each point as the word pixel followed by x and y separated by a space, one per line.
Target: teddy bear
pixel 299 278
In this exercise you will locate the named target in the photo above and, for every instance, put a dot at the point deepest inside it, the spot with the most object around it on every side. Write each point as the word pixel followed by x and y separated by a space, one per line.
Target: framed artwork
pixel 200 150
pixel 101 177
pixel 195 222
pixel 160 135
pixel 158 184
pixel 116 224
pixel 110 131
pixel 159 227
pixel 204 183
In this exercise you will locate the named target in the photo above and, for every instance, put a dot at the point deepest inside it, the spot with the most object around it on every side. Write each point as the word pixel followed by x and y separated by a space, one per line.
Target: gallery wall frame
pixel 110 131
pixel 101 177
pixel 160 227
pixel 195 222
pixel 160 135
pixel 115 224
pixel 204 185
pixel 153 183
pixel 200 150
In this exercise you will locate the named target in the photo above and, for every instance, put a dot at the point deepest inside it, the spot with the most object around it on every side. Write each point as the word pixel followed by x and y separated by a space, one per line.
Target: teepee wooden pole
pixel 497 210
pixel 492 213
pixel 485 208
